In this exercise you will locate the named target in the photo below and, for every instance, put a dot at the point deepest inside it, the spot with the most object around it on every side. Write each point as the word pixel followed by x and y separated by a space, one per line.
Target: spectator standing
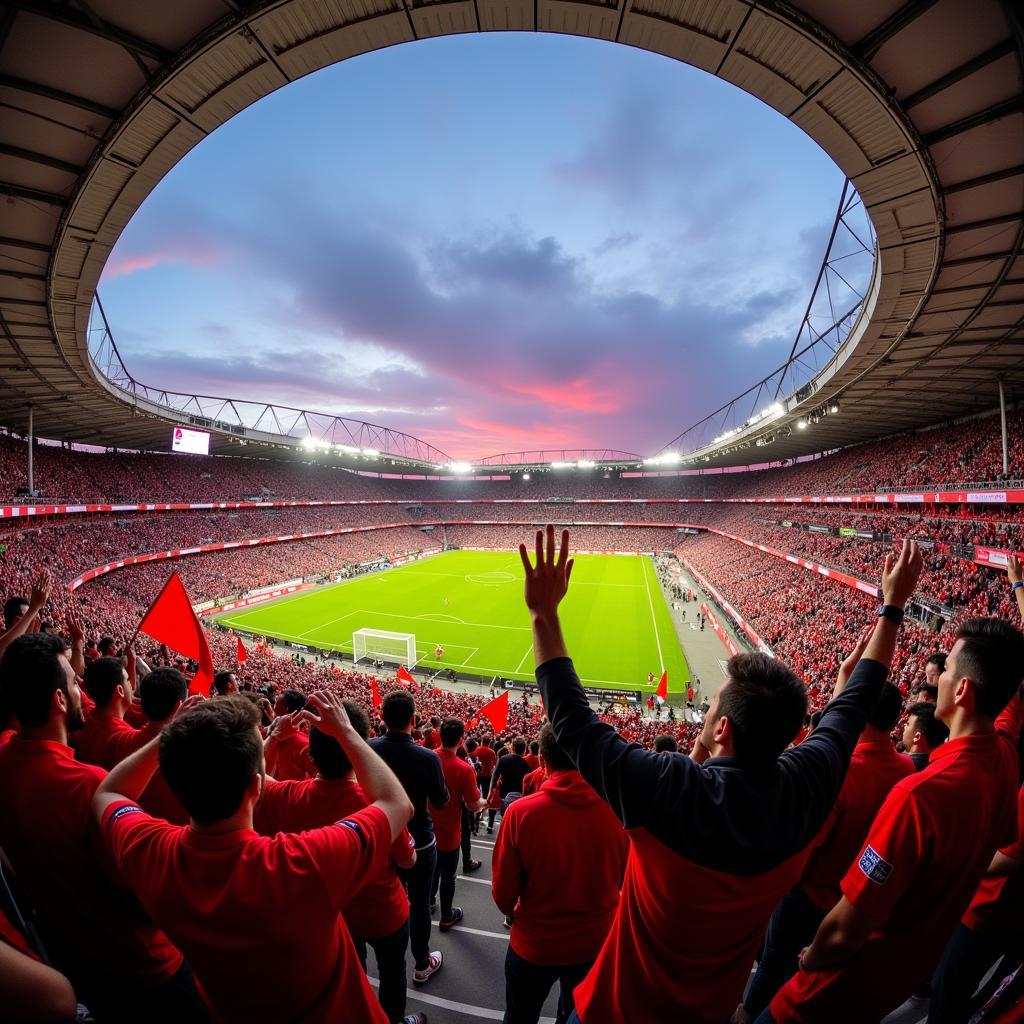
pixel 739 826
pixel 463 794
pixel 557 869
pixel 235 899
pixel 378 914
pixel 508 775
pixel 121 965
pixel 419 771
pixel 106 737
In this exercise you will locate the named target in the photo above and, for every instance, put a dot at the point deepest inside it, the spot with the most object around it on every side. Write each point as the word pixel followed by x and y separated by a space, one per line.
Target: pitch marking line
pixel 524 657
pixel 440 617
pixel 409 618
pixel 654 619
pixel 324 625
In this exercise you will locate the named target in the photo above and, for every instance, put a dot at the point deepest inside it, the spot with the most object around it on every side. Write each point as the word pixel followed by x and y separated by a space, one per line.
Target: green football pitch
pixel 617 625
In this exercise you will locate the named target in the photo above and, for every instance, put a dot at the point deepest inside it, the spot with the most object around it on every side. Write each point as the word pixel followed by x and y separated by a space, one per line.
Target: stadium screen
pixel 190 442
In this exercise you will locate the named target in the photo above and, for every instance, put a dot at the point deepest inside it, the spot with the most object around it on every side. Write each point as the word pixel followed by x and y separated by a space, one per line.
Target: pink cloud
pixel 188 251
pixel 579 395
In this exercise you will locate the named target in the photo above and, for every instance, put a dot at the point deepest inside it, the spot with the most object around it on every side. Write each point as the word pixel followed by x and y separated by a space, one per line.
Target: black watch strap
pixel 891 612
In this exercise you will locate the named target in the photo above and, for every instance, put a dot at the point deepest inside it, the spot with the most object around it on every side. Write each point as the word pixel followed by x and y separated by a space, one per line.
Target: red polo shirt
pixel 874 769
pixel 92 926
pixel 288 758
pixel 928 848
pixel 239 903
pixel 558 865
pixel 460 779
pixel 105 739
pixel 379 906
pixel 532 781
pixel 998 904
pixel 487 758
pixel 533 761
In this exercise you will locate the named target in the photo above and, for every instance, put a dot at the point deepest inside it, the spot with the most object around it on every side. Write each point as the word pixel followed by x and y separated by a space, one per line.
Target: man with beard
pixel 121 966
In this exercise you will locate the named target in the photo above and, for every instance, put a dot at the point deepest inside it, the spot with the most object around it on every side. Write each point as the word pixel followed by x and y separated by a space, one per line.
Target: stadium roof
pixel 920 103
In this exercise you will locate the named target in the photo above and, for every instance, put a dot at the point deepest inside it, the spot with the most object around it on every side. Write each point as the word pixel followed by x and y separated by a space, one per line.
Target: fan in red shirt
pixel 532 781
pixel 234 899
pixel 558 866
pixel 106 737
pixel 463 793
pixel 533 756
pixel 488 759
pixel 287 747
pixel 378 912
pixel 992 927
pixel 928 848
pixel 121 966
pixel 161 692
pixel 874 769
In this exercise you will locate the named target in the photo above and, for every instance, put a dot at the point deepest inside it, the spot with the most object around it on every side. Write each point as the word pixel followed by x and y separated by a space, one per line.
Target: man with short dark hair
pixel 665 743
pixel 122 966
pixel 238 901
pixel 509 773
pixel 378 913
pixel 287 746
pixel 419 771
pixel 160 693
pixel 928 848
pixel 225 683
pixel 738 827
pixel 874 769
pixel 460 780
pixel 15 608
pixel 922 733
pixel 106 737
pixel 557 870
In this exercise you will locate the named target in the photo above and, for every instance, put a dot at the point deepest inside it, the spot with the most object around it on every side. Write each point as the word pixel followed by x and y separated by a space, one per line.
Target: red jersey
pixel 105 739
pixel 288 758
pixel 533 761
pixel 998 905
pixel 532 781
pixel 460 778
pixel 432 741
pixel 158 799
pixel 487 758
pixel 558 865
pixel 379 906
pixel 875 768
pixel 935 833
pixel 92 929
pixel 237 902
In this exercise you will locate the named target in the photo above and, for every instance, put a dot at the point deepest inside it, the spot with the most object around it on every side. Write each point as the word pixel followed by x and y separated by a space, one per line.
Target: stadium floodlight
pixel 371 453
pixel 526 476
pixel 586 464
pixel 382 645
pixel 461 467
pixel 801 424
pixel 308 443
pixel 562 465
pixel 834 408
pixel 346 449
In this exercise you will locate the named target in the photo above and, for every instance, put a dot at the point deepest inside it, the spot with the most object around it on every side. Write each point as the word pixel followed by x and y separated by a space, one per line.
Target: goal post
pixel 382 645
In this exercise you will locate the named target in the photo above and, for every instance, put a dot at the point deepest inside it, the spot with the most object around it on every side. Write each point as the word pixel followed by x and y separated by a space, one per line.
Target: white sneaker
pixel 421 977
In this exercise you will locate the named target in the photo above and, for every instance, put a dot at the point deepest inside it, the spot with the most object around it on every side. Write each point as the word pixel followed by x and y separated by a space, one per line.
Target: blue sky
pixel 494 242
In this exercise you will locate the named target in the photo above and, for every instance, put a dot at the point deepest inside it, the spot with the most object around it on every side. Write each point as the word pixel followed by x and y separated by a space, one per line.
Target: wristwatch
pixel 891 612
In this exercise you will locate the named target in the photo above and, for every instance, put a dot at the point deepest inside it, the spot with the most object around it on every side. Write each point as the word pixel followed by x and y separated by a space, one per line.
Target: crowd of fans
pixel 949 454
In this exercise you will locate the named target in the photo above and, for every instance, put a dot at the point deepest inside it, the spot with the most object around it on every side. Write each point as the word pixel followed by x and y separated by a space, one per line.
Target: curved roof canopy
pixel 919 102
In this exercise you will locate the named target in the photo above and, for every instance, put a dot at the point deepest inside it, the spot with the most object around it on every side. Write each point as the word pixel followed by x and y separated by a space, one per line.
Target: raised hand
pixel 40 591
pixel 1014 569
pixel 76 634
pixel 548 580
pixel 900 576
pixel 333 718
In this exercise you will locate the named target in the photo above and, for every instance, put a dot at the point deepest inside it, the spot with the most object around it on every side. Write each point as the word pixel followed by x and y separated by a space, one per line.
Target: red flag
pixel 661 694
pixel 375 695
pixel 404 676
pixel 496 712
pixel 243 654
pixel 172 621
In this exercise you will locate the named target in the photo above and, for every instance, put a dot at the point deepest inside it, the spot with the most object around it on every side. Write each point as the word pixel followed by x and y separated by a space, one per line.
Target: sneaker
pixel 450 922
pixel 490 829
pixel 421 977
pixel 472 865
pixel 508 921
pixel 415 1018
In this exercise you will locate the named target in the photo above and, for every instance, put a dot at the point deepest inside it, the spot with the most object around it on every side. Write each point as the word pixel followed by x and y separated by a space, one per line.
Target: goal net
pixel 380 645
